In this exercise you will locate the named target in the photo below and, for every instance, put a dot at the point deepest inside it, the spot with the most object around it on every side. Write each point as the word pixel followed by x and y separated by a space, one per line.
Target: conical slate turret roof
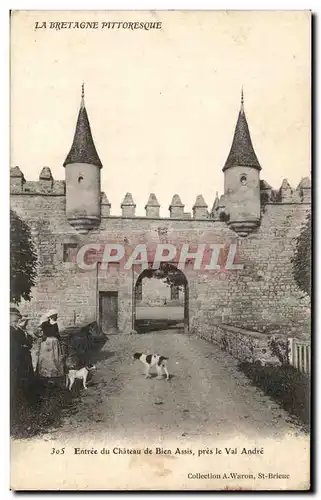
pixel 83 148
pixel 242 152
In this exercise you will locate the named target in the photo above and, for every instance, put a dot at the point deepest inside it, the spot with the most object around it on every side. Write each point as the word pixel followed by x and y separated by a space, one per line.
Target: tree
pixel 302 257
pixel 23 260
pixel 166 272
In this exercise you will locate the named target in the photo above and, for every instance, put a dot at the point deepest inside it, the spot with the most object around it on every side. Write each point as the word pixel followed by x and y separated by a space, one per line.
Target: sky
pixel 163 103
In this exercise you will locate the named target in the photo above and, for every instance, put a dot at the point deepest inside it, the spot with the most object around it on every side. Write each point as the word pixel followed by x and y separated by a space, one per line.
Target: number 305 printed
pixel 57 451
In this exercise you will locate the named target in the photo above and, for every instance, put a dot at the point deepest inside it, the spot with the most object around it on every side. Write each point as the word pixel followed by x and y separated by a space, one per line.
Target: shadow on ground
pixel 154 325
pixel 47 401
pixel 284 384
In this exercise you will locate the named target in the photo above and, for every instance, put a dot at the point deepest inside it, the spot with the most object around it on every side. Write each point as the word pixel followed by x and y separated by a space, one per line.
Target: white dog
pixel 81 374
pixel 150 360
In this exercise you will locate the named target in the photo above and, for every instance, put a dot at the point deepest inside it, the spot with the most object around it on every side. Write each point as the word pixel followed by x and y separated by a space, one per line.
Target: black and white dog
pixel 150 360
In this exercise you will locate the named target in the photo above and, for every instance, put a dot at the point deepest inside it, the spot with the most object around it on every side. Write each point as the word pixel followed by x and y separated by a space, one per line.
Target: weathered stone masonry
pixel 264 223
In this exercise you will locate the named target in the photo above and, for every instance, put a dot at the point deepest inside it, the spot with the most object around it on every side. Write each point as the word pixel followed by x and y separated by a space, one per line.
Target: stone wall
pixel 262 296
pixel 244 345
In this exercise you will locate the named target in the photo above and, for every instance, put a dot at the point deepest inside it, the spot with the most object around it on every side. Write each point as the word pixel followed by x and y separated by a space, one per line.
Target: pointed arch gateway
pixel 160 311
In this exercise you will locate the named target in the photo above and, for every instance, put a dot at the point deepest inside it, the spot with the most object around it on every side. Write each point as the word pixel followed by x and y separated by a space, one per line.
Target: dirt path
pixel 206 396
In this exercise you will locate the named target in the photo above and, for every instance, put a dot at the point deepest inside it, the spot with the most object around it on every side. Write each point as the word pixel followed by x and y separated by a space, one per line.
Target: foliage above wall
pixel 166 272
pixel 23 260
pixel 302 257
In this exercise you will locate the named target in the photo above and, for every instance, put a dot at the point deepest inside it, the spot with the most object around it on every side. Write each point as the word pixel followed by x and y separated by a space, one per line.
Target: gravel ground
pixel 206 395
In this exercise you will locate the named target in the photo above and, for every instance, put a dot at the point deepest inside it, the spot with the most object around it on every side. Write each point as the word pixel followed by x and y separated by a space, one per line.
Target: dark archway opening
pixel 161 299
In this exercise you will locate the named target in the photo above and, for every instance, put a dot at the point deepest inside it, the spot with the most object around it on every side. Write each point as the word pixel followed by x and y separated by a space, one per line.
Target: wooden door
pixel 108 312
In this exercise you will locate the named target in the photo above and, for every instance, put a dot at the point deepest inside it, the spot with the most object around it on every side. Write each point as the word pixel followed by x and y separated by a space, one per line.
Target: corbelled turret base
pixel 243 228
pixel 84 224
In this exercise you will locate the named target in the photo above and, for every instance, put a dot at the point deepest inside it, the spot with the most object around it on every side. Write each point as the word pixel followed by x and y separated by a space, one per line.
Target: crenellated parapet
pixel 241 206
pixel 266 191
pixel 105 205
pixel 219 210
pixel 214 212
pixel 46 185
pixel 286 193
pixel 17 180
pixel 304 189
pixel 45 179
pixel 176 208
pixel 152 208
pixel 200 208
pixel 128 206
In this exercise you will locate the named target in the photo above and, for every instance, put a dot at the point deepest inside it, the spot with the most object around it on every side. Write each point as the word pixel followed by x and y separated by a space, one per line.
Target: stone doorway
pixel 161 299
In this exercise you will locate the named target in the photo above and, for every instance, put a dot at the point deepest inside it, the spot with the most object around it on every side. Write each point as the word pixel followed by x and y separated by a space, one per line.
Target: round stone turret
pixel 82 169
pixel 242 180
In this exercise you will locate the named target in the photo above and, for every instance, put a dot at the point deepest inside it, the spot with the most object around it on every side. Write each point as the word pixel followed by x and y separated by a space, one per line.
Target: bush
pixel 302 257
pixel 23 260
pixel 279 347
pixel 284 384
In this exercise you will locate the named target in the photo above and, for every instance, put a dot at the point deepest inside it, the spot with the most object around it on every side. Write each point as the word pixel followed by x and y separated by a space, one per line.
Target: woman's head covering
pixel 47 315
pixel 24 320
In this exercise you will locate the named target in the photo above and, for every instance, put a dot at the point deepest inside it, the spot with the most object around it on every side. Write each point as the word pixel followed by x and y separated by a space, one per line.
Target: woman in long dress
pixel 21 371
pixel 50 357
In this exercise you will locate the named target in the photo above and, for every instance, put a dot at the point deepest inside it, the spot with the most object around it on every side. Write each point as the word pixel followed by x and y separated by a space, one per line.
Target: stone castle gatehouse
pixel 260 295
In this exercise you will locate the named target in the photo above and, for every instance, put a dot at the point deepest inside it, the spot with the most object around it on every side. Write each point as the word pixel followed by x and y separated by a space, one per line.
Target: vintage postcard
pixel 160 225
